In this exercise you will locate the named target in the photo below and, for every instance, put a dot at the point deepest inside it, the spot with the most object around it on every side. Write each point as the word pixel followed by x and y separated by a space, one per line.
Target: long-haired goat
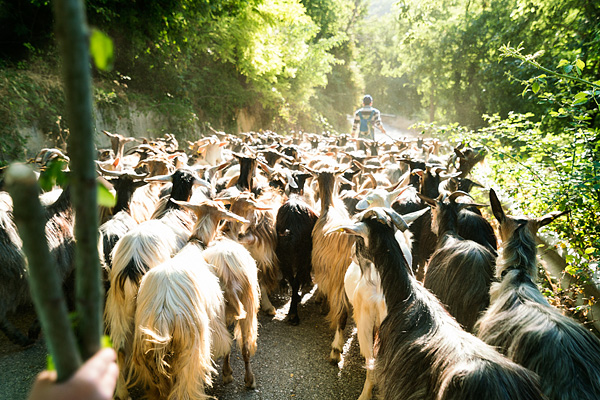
pixel 423 238
pixel 237 272
pixel 531 332
pixel 145 246
pixel 259 237
pixel 179 327
pixel 422 353
pixel 14 288
pixel 460 271
pixel 121 221
pixel 363 288
pixel 331 256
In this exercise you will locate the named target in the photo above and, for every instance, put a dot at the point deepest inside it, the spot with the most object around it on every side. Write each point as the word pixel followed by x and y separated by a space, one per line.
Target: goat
pixel 14 288
pixel 523 326
pixel 363 288
pixel 142 248
pixel 122 221
pixel 260 238
pixel 331 256
pixel 147 245
pixel 237 272
pixel 423 238
pixel 179 327
pixel 460 271
pixel 422 352
pixel 294 225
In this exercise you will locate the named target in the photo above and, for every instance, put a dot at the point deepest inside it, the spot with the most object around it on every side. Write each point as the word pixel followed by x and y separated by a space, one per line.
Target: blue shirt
pixel 375 121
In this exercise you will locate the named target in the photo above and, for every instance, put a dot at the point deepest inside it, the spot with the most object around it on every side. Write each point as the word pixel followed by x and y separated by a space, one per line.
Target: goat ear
pixel 234 217
pixel 546 219
pixel 193 207
pixel 202 182
pixel 496 207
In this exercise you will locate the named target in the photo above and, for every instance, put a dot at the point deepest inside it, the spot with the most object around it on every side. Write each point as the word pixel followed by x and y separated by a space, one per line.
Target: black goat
pixel 531 332
pixel 424 240
pixel 460 271
pixel 122 221
pixel 294 224
pixel 422 352
pixel 14 288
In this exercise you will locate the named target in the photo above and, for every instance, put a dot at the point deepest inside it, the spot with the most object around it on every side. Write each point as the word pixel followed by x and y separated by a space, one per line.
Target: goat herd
pixel 198 239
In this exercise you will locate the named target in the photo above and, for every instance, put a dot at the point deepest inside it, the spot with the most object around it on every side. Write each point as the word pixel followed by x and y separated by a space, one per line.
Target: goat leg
pixel 249 377
pixel 338 341
pixel 293 318
pixel 14 334
pixel 265 303
pixel 227 371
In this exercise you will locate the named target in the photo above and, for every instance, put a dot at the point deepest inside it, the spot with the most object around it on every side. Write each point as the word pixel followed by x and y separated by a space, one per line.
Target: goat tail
pixel 237 272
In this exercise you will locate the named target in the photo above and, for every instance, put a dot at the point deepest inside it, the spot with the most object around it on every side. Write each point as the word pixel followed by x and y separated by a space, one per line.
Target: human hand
pixel 94 380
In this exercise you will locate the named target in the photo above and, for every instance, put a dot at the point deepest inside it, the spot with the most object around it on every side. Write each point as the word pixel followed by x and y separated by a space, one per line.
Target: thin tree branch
pixel 73 36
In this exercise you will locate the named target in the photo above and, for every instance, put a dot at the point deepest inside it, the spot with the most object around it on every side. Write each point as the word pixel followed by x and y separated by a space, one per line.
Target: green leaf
pixel 50 363
pixel 105 197
pixel 53 175
pixel 590 250
pixel 105 341
pixel 101 49
pixel 562 63
pixel 580 64
pixel 535 87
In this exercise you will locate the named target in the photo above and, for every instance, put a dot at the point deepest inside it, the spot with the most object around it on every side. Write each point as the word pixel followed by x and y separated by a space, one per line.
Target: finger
pixel 97 365
pixel 109 380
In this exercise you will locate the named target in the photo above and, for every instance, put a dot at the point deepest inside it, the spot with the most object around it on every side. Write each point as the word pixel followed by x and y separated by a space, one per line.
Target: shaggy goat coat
pixel 460 271
pixel 422 352
pixel 179 327
pixel 331 256
pixel 14 288
pixel 531 332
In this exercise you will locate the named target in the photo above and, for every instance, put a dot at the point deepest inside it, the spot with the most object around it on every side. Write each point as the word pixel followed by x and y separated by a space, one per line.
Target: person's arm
pixel 94 380
pixel 378 123
pixel 355 124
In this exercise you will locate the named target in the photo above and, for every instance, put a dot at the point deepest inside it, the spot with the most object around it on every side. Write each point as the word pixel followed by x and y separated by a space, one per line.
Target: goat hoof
pixel 271 311
pixel 293 320
pixel 335 357
pixel 251 383
pixel 227 379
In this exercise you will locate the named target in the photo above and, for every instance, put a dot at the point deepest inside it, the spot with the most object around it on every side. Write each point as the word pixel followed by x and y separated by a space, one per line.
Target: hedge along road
pixel 291 362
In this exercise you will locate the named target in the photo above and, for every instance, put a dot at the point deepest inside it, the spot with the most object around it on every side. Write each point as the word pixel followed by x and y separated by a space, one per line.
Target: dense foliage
pixel 441 60
pixel 551 161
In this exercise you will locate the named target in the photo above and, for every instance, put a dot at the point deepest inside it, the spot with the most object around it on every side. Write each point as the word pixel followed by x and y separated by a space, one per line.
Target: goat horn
pixel 413 216
pixel 360 229
pixel 456 194
pixel 107 172
pixel 160 178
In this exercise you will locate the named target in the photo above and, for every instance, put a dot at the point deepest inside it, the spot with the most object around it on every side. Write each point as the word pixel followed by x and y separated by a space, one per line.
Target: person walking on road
pixel 366 119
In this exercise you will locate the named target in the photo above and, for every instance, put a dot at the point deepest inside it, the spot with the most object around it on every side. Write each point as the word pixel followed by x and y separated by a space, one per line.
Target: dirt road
pixel 291 361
